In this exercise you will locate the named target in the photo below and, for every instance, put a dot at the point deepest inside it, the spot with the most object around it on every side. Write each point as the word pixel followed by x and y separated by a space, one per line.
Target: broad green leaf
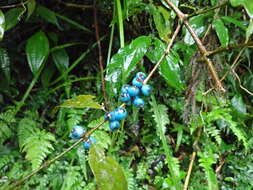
pixel 82 101
pixel 234 21
pixel 124 62
pixel 249 30
pixel 48 15
pixel 169 68
pixel 198 24
pixel 12 17
pixel 221 31
pixel 2 24
pixel 30 8
pixel 161 18
pixel 108 173
pixel 61 59
pixel 238 104
pixel 37 49
pixel 5 63
pixel 247 4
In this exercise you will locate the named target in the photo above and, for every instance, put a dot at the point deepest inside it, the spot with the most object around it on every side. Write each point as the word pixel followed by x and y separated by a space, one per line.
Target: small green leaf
pixel 103 139
pixel 249 30
pixel 82 101
pixel 12 17
pixel 30 8
pixel 169 68
pixel 124 62
pixel 248 5
pixel 48 15
pixel 198 24
pixel 5 63
pixel 221 31
pixel 2 24
pixel 108 173
pixel 37 49
pixel 61 59
pixel 232 20
pixel 238 104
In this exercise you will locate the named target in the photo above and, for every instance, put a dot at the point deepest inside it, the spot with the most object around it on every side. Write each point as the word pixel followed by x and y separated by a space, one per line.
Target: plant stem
pixel 201 47
pixel 120 23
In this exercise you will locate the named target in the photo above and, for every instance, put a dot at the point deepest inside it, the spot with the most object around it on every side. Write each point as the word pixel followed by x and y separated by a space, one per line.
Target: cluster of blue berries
pixel 78 132
pixel 128 94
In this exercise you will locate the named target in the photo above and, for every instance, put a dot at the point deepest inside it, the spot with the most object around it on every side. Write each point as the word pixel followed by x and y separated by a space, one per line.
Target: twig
pixel 201 47
pixel 100 54
pixel 46 164
pixel 165 53
pixel 14 5
pixel 187 179
pixel 207 10
pixel 77 5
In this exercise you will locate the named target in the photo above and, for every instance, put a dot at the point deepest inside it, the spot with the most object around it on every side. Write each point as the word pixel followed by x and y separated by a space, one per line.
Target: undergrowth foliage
pixel 184 134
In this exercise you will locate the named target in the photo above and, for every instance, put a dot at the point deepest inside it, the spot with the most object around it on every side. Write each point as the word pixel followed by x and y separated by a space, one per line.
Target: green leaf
pixel 82 101
pixel 124 62
pixel 198 24
pixel 248 5
pixel 37 54
pixel 2 24
pixel 48 15
pixel 12 17
pixel 169 68
pixel 221 31
pixel 232 20
pixel 249 30
pixel 238 104
pixel 161 18
pixel 30 8
pixel 103 139
pixel 5 63
pixel 61 59
pixel 108 173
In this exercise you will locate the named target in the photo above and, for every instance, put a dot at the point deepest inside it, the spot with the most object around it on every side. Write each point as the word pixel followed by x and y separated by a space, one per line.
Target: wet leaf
pixel 169 68
pixel 12 17
pixel 238 104
pixel 221 31
pixel 36 54
pixel 124 62
pixel 108 173
pixel 61 59
pixel 2 24
pixel 82 101
pixel 198 24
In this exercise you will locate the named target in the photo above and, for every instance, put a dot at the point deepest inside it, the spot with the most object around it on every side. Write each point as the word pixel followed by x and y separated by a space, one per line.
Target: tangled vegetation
pixel 63 65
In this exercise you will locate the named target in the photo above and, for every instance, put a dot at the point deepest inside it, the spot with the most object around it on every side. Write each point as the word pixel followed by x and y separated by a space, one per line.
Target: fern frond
pixel 207 159
pixel 37 147
pixel 6 119
pixel 72 179
pixel 213 132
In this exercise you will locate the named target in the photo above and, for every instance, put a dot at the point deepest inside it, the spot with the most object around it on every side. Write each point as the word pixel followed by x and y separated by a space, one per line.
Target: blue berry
pixel 124 88
pixel 141 75
pixel 110 116
pixel 86 144
pixel 77 132
pixel 133 91
pixel 138 102
pixel 120 113
pixel 137 82
pixel 124 97
pixel 114 125
pixel 146 90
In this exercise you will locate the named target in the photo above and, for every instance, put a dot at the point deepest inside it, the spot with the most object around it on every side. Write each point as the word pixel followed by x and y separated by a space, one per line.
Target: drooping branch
pixel 183 17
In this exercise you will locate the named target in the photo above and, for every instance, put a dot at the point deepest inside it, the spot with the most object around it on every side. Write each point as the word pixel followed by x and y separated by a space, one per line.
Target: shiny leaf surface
pixel 108 173
pixel 37 49
pixel 169 68
pixel 61 59
pixel 2 24
pixel 82 101
pixel 221 31
pixel 124 62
